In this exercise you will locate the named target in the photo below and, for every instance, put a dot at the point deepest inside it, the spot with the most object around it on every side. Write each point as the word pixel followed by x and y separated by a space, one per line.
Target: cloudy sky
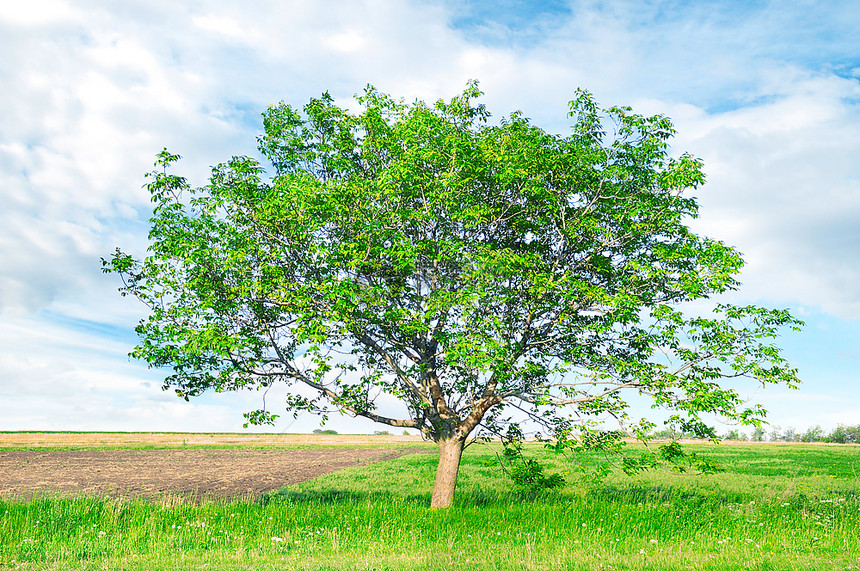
pixel 766 93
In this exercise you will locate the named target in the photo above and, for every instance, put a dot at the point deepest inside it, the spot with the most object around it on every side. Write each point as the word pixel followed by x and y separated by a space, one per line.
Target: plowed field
pixel 237 471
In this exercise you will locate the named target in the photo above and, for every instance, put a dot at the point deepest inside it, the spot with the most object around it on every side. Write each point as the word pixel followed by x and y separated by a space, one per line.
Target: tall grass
pixel 776 507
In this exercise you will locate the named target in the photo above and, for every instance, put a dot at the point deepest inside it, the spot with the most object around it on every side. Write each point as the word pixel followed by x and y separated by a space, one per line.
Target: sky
pixel 767 94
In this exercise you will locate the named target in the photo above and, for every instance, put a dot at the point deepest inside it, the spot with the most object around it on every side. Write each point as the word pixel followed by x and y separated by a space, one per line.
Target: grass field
pixel 26 440
pixel 776 507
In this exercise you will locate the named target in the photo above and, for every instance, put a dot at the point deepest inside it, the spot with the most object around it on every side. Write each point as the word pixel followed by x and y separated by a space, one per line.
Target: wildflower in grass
pixel 277 539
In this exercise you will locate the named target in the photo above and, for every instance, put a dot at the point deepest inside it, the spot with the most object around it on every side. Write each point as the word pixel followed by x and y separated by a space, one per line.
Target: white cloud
pixel 36 12
pixel 348 41
pixel 223 25
pixel 784 187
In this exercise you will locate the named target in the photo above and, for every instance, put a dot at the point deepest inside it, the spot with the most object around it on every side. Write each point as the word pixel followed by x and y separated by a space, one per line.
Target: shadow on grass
pixel 340 496
pixel 479 495
pixel 478 498
pixel 635 495
pixel 474 497
pixel 467 498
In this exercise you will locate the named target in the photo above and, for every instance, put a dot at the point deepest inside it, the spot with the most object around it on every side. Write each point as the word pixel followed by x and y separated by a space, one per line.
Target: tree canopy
pixel 480 272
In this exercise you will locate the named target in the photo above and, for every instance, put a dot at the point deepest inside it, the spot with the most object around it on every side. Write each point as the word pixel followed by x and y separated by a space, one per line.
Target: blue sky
pixel 766 93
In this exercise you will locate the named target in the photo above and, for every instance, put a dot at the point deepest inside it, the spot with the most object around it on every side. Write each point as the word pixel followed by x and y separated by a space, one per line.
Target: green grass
pixel 776 507
pixel 189 440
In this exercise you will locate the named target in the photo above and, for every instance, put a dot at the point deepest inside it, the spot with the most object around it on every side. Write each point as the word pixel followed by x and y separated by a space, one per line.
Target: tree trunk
pixel 450 452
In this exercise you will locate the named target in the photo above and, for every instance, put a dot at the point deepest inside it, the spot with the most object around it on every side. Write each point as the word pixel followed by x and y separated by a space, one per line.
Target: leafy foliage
pixel 672 455
pixel 527 474
pixel 473 271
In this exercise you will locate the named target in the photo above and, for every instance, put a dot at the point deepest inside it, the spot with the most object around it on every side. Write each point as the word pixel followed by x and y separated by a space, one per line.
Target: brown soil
pixel 193 473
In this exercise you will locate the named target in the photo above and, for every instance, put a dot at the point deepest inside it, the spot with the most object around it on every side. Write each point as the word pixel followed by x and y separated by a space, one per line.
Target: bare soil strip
pixel 194 473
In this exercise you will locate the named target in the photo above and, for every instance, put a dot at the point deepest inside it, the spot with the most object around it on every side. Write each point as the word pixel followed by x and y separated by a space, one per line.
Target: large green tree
pixel 468 268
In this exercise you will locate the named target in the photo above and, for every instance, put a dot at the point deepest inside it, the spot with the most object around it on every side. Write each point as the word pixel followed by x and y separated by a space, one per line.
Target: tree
pixel 775 434
pixel 813 434
pixel 492 277
pixel 736 435
pixel 845 434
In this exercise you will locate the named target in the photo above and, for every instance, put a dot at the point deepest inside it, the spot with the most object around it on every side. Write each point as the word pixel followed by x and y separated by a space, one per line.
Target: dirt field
pixel 235 471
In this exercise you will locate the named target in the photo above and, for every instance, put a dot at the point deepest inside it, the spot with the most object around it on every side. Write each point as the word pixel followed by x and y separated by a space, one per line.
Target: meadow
pixel 774 507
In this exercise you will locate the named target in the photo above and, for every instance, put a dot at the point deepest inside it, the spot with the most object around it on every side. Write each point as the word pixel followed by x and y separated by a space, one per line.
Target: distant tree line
pixel 842 434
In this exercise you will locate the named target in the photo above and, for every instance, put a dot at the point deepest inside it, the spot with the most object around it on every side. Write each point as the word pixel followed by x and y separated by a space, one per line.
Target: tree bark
pixel 450 452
